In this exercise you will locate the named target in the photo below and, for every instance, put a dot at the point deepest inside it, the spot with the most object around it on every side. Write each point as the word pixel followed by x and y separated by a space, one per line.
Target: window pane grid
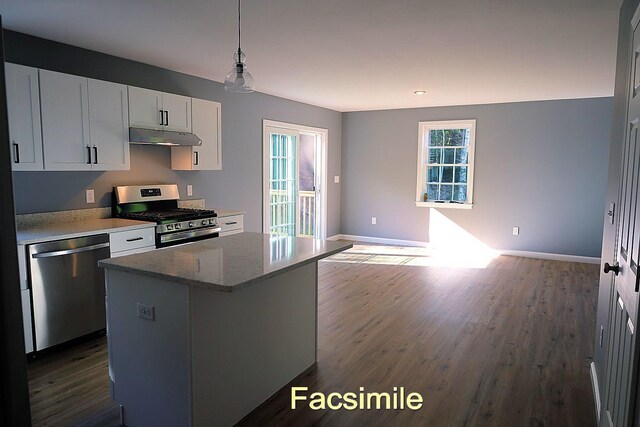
pixel 447 164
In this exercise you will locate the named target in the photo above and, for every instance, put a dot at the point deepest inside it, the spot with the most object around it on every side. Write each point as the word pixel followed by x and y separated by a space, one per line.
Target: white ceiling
pixel 355 54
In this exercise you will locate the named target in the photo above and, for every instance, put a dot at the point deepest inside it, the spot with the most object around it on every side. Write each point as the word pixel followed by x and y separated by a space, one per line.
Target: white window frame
pixel 423 132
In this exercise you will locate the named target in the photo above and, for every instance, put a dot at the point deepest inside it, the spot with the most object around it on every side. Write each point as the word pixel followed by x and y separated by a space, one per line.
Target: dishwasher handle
pixel 70 251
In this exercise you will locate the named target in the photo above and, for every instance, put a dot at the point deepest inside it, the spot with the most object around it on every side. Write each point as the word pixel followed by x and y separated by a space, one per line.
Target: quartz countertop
pixel 228 212
pixel 227 263
pixel 70 230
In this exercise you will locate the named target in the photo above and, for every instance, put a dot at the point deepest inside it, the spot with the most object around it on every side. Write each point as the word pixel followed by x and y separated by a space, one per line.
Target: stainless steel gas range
pixel 159 204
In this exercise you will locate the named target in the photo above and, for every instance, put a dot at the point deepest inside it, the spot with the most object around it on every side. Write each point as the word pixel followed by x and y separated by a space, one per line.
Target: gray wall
pixel 539 165
pixel 238 185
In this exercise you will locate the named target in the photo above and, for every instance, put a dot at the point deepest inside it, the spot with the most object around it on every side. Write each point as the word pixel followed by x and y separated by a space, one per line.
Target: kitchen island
pixel 203 333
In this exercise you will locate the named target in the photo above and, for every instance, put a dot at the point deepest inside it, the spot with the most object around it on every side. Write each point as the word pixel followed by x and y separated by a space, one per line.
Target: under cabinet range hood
pixel 162 137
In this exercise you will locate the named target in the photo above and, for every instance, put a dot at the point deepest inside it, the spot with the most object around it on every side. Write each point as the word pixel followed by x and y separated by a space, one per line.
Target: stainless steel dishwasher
pixel 67 288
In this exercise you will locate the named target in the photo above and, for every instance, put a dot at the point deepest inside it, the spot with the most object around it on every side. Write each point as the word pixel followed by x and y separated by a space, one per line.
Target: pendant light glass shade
pixel 239 80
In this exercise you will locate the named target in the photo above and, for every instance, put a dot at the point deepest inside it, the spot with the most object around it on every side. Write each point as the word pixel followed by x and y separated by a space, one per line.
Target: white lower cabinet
pixel 131 242
pixel 25 297
pixel 231 224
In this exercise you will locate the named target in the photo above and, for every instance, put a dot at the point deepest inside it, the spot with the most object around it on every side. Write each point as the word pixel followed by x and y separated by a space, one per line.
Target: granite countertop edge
pixel 216 286
pixel 39 234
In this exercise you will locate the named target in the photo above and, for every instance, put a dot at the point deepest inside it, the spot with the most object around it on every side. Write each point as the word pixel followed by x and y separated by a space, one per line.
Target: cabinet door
pixel 145 108
pixel 23 104
pixel 109 125
pixel 178 112
pixel 64 104
pixel 206 124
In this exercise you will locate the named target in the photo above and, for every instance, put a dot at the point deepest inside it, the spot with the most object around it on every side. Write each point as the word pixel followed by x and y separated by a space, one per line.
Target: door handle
pixel 95 155
pixel 608 268
pixel 161 118
pixel 16 152
pixel 88 155
pixel 166 117
pixel 71 251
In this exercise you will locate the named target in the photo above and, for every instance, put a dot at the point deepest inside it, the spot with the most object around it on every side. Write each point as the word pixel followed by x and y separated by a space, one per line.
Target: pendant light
pixel 239 80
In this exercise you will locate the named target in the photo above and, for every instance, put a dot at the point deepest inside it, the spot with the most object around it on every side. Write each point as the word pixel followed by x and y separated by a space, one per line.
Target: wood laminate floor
pixel 505 345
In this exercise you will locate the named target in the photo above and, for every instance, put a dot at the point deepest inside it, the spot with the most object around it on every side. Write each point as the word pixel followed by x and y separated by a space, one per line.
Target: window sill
pixel 444 205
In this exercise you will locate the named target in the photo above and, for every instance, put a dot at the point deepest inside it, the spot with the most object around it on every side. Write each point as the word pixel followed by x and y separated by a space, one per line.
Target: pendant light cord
pixel 238 25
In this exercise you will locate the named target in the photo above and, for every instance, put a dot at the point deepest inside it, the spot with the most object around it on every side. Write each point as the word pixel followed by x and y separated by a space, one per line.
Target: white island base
pixel 208 358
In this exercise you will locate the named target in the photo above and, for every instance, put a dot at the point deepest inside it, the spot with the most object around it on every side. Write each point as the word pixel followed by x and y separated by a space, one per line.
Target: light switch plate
pixel 516 231
pixel 336 179
pixel 90 196
pixel 374 221
pixel 189 190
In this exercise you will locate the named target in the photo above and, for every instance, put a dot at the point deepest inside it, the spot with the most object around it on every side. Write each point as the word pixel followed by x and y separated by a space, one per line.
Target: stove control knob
pixel 192 224
pixel 170 227
pixel 212 221
pixel 205 222
pixel 178 226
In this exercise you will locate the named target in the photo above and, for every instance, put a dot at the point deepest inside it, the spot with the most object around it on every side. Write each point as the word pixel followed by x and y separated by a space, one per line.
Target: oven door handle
pixel 187 234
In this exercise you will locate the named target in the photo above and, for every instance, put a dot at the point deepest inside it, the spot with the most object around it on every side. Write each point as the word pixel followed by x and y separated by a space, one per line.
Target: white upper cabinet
pixel 85 123
pixel 64 103
pixel 177 111
pixel 206 125
pixel 23 102
pixel 151 109
pixel 109 125
pixel 145 108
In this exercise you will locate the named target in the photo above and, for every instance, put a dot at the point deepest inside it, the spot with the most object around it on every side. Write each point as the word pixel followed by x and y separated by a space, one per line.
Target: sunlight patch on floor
pixel 412 256
pixel 449 246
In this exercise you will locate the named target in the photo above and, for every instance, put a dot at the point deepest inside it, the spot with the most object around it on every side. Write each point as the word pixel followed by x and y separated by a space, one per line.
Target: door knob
pixel 615 268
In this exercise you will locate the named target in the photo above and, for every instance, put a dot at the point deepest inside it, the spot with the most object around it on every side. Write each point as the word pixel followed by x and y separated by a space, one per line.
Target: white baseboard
pixel 382 240
pixel 509 252
pixel 554 257
pixel 594 386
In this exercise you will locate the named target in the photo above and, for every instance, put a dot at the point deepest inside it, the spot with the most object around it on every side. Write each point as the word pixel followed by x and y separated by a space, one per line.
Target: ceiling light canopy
pixel 420 92
pixel 239 80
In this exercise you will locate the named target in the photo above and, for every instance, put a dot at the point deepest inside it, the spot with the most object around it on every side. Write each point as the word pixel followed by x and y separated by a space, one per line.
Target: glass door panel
pixel 283 182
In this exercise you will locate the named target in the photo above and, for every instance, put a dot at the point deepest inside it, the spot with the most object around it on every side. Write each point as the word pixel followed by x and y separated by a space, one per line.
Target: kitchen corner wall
pixel 238 185
pixel 541 166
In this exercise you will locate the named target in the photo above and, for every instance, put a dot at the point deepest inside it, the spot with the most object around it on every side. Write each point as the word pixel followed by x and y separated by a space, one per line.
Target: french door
pixel 283 181
pixel 294 175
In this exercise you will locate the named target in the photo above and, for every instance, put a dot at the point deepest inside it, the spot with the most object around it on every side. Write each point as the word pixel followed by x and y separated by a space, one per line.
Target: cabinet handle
pixel 88 155
pixel 16 152
pixel 231 223
pixel 196 159
pixel 166 117
pixel 135 239
pixel 161 118
pixel 95 155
